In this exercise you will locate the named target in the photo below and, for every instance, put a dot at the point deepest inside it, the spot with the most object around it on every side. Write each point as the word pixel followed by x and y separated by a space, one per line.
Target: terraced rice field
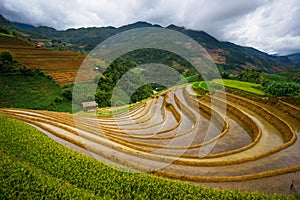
pixel 181 136
pixel 62 66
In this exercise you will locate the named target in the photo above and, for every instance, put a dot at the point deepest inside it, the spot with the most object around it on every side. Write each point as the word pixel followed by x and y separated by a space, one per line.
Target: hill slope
pixel 62 66
pixel 296 58
pixel 14 29
pixel 23 26
pixel 228 55
pixel 35 92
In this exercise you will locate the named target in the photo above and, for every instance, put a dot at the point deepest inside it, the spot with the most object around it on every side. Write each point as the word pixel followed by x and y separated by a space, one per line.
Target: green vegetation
pixel 291 75
pixel 133 86
pixel 29 88
pixel 7 62
pixel 193 78
pixel 36 167
pixel 204 87
pixel 270 88
pixel 143 56
pixel 284 84
pixel 282 89
pixel 112 75
pixel 32 92
pixel 241 85
pixel 20 181
pixel 4 30
pixel 274 77
pixel 128 64
pixel 135 77
pixel 252 76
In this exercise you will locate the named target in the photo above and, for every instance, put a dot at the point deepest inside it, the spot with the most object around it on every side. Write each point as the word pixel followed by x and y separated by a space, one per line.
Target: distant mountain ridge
pixel 23 26
pixel 16 28
pixel 295 57
pixel 228 56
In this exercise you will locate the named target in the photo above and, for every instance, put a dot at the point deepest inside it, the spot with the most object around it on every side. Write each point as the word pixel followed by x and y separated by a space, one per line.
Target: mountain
pixel 23 26
pixel 227 56
pixel 296 58
pixel 14 28
pixel 86 36
pixel 4 21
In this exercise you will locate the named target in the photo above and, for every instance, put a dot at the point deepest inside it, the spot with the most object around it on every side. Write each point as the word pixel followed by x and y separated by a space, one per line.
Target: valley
pixel 234 137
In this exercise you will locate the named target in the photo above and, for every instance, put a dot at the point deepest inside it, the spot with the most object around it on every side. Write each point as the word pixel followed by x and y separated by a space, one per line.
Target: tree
pixel 67 92
pixel 282 89
pixel 7 61
pixel 6 56
pixel 141 93
pixel 251 75
pixel 4 30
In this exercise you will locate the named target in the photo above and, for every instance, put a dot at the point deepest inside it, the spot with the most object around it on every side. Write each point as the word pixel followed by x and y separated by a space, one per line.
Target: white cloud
pixel 268 25
pixel 273 27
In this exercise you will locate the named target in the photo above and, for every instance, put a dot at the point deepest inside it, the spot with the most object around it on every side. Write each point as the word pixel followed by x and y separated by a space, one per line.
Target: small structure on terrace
pixel 89 106
pixel 40 45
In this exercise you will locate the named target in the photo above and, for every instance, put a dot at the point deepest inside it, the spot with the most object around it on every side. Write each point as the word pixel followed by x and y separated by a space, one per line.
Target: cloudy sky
pixel 272 26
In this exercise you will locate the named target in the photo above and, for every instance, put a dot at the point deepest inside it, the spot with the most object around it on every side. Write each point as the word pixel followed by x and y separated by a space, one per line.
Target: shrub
pixel 4 30
pixel 282 89
pixel 7 61
pixel 67 92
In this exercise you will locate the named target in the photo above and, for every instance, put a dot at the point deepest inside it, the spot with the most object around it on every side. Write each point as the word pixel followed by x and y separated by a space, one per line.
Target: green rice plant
pixel 204 87
pixel 252 88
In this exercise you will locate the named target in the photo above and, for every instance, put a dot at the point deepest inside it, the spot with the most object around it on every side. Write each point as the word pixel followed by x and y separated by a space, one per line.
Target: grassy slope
pixel 241 85
pixel 37 92
pixel 15 41
pixel 34 166
pixel 61 65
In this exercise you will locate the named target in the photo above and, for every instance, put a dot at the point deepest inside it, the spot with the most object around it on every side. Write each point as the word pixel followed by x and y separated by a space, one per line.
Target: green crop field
pixel 36 167
pixel 241 85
